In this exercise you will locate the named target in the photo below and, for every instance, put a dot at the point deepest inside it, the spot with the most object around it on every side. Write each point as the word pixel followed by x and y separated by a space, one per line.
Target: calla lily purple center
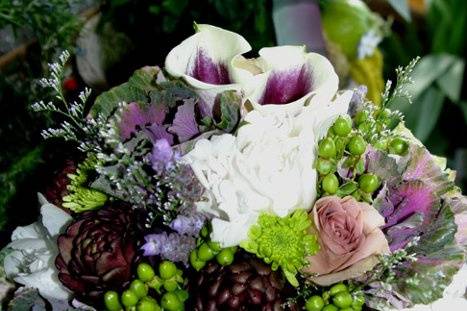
pixel 206 70
pixel 287 86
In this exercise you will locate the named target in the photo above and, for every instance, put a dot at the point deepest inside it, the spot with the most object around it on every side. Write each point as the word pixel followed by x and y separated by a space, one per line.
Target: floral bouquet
pixel 229 183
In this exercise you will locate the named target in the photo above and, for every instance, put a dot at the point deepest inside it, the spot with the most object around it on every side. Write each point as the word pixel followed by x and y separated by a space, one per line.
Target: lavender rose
pixel 350 239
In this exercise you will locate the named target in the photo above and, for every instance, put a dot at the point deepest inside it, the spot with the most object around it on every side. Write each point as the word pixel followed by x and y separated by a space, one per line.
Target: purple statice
pixel 173 246
pixel 188 224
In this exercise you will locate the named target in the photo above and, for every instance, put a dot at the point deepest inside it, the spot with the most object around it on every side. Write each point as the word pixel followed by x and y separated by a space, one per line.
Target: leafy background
pixel 135 33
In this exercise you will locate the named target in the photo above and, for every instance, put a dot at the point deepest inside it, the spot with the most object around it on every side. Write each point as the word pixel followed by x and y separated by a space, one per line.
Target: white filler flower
pixel 34 248
pixel 267 167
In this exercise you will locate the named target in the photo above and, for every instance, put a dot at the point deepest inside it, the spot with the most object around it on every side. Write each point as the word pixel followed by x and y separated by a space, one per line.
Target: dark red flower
pixel 97 251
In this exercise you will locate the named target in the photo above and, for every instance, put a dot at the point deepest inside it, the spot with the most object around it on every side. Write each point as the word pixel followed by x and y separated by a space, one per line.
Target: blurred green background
pixel 110 39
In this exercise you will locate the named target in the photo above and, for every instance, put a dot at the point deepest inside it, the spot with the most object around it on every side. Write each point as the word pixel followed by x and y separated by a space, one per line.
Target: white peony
pixel 34 248
pixel 267 167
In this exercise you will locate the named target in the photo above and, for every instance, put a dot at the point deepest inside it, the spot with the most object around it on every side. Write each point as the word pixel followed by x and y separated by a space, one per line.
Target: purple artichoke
pixel 97 251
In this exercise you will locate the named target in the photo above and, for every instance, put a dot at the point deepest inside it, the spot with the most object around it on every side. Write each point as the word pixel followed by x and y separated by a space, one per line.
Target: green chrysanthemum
pixel 283 242
pixel 81 198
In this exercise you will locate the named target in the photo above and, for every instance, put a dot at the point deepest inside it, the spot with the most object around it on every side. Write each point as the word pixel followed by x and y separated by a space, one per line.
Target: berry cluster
pixel 344 146
pixel 206 250
pixel 168 284
pixel 338 297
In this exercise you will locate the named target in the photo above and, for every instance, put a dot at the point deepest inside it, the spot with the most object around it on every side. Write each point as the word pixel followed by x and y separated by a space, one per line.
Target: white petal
pixel 216 45
pixel 289 78
pixel 54 219
pixel 47 283
pixel 32 231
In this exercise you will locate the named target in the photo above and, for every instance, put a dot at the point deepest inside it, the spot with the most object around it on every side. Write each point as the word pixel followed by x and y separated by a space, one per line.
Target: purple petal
pixel 162 155
pixel 157 132
pixel 287 86
pixel 184 123
pixel 406 207
pixel 206 70
pixel 135 118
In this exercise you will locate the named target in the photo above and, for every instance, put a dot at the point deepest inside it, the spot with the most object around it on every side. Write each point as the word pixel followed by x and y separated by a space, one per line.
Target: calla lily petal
pixel 204 59
pixel 289 77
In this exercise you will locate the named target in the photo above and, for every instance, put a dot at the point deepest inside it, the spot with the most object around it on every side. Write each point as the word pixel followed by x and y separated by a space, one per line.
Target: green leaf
pixel 463 106
pixel 401 7
pixel 229 103
pixel 347 189
pixel 135 90
pixel 424 113
pixel 451 81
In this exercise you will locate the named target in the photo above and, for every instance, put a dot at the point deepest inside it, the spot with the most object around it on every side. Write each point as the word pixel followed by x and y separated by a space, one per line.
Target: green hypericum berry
pixel 323 166
pixel 167 269
pixel 330 308
pixel 215 246
pixel 148 304
pixel 342 126
pixel 368 183
pixel 358 300
pixel 195 262
pixel 327 148
pixel 112 302
pixel 381 144
pixel 398 146
pixel 356 145
pixel 342 300
pixel 129 298
pixel 225 257
pixel 170 285
pixel 205 253
pixel 347 309
pixel 314 303
pixel 139 288
pixel 145 272
pixel 330 184
pixel 337 288
pixel 171 302
pixel 361 117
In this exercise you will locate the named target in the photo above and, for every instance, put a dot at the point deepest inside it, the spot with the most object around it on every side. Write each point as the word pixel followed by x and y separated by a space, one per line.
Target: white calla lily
pixel 286 77
pixel 204 60
pixel 267 167
pixel 32 259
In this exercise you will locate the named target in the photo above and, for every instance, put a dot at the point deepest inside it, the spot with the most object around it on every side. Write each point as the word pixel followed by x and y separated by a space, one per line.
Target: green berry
pixel 368 183
pixel 111 301
pixel 167 269
pixel 381 144
pixel 129 298
pixel 327 148
pixel 314 303
pixel 225 257
pixel 358 300
pixel 342 300
pixel 170 285
pixel 365 127
pixel 337 288
pixel 330 308
pixel 324 166
pixel 195 262
pixel 342 126
pixel 145 272
pixel 139 288
pixel 346 309
pixel 357 145
pixel 330 184
pixel 361 117
pixel 171 302
pixel 148 304
pixel 398 146
pixel 215 246
pixel 205 253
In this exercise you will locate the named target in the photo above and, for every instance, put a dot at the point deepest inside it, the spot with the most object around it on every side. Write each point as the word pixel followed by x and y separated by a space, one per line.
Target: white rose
pixel 34 248
pixel 267 167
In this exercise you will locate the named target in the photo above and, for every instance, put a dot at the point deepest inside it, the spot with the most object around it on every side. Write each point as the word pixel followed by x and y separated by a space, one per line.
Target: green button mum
pixel 283 242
